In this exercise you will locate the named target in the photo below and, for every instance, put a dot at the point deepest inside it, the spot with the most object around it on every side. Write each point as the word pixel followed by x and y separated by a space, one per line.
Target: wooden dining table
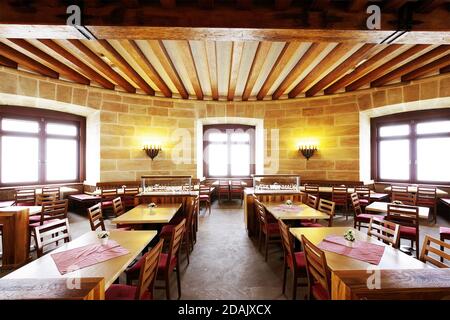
pixel 45 267
pixel 382 207
pixel 298 211
pixel 143 214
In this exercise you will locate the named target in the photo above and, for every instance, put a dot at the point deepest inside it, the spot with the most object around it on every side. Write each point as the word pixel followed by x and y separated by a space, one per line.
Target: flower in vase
pixel 103 235
pixel 152 205
pixel 288 203
pixel 349 235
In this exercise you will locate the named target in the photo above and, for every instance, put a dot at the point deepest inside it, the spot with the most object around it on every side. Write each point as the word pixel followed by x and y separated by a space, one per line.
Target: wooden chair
pixel 50 211
pixel 24 197
pixel 385 231
pixel 129 192
pixel 363 193
pixel 427 248
pixel 312 189
pixel 319 276
pixel 427 197
pixel 312 201
pixel 147 277
pixel 205 196
pixel 444 234
pixel 96 217
pixel 40 198
pixel 168 263
pixel 339 196
pixel 358 216
pixel 55 191
pixel 324 206
pixel 406 198
pixel 119 210
pixel 236 189
pixel 270 230
pixel 51 233
pixel 223 189
pixel 107 196
pixel 295 261
pixel 408 219
pixel 395 188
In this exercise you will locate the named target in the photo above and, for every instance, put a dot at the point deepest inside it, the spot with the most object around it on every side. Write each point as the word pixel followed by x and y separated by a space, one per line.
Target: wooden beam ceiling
pixel 357 5
pixel 260 56
pixel 188 62
pixel 4 61
pixel 426 69
pixel 235 67
pixel 212 64
pixel 282 4
pixel 445 69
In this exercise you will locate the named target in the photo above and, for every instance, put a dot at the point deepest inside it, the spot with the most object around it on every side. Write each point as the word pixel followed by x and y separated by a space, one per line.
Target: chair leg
pixel 187 245
pixel 294 286
pixel 167 278
pixel 284 276
pixel 417 248
pixel 266 247
pixel 259 239
pixel 178 280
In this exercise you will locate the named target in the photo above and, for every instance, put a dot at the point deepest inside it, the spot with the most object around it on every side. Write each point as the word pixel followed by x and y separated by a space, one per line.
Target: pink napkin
pixel 360 250
pixel 285 207
pixel 82 257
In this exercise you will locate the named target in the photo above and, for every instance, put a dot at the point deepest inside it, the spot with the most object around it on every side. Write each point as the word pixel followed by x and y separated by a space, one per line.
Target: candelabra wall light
pixel 152 150
pixel 307 150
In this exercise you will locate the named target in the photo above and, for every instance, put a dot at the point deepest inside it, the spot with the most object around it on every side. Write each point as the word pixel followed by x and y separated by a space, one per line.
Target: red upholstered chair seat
pixel 38 223
pixel 124 292
pixel 319 292
pixel 407 231
pixel 124 227
pixel 161 266
pixel 25 204
pixel 166 231
pixel 204 196
pixel 444 231
pixel 299 259
pixel 364 202
pixel 311 225
pixel 364 217
pixel 107 204
pixel 36 218
pixel 273 229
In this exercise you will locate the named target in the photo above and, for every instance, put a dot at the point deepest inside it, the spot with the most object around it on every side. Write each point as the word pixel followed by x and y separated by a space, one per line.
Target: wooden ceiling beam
pixel 212 65
pixel 60 67
pixel 27 62
pixel 283 59
pixel 282 4
pixel 395 4
pixel 445 69
pixel 88 71
pixel 386 67
pixel 139 57
pixel 320 5
pixel 168 4
pixel 4 61
pixel 436 65
pixel 206 4
pixel 410 66
pixel 189 64
pixel 358 5
pixel 340 50
pixel 260 58
pixel 362 69
pixel 430 5
pixel 161 53
pixel 307 59
pixel 121 63
pixel 236 58
pixel 101 65
pixel 340 70
pixel 244 4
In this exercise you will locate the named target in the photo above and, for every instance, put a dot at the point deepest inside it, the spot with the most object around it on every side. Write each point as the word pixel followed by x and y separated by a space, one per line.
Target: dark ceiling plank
pixel 168 4
pixel 102 66
pixel 189 64
pixel 206 4
pixel 429 5
pixel 445 69
pixel 139 57
pixel 340 50
pixel 258 61
pixel 340 70
pixel 55 64
pixel 407 67
pixel 394 4
pixel 320 5
pixel 362 69
pixel 235 67
pixel 308 58
pixel 244 4
pixel 26 61
pixel 285 56
pixel 386 67
pixel 4 61
pixel 92 74
pixel 161 53
pixel 125 67
pixel 357 5
pixel 436 65
pixel 282 4
pixel 212 66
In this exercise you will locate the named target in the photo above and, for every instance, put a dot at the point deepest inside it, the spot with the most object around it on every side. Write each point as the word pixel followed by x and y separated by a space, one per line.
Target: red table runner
pixel 82 257
pixel 360 250
pixel 285 207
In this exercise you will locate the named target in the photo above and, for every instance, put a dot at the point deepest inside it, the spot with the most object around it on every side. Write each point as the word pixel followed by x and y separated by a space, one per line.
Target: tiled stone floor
pixel 226 263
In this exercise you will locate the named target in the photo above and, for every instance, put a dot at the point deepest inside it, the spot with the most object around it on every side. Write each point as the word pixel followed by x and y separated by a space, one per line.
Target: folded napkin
pixel 359 250
pixel 82 257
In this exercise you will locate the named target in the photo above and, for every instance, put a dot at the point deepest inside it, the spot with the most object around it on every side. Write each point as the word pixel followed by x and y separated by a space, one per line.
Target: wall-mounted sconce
pixel 152 150
pixel 307 150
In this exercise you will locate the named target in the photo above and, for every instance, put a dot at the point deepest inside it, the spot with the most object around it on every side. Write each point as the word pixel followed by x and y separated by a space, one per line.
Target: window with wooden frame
pixel 41 146
pixel 412 147
pixel 228 150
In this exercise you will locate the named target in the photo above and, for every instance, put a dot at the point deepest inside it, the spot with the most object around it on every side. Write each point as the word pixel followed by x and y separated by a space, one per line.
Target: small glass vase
pixel 104 241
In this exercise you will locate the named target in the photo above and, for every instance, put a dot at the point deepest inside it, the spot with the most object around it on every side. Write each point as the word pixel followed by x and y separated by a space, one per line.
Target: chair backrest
pixel 288 244
pixel 205 190
pixel 149 270
pixel 316 266
pixel 312 201
pixel 427 248
pixel 41 198
pixel 236 185
pixel 51 233
pixel 355 204
pixel 25 197
pixel 339 194
pixel 130 191
pixel 118 208
pixel 403 215
pixel 386 231
pixel 312 189
pixel 190 207
pixel 426 195
pixel 327 207
pixel 56 191
pixel 261 212
pixel 54 210
pixel 224 185
pixel 406 198
pixel 108 193
pixel 399 188
pixel 177 238
pixel 363 191
pixel 96 217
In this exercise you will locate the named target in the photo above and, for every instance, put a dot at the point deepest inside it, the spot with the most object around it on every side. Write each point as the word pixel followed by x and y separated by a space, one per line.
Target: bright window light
pixel 433 158
pixel 61 129
pixel 394 159
pixel 61 160
pixel 20 125
pixel 433 127
pixel 20 159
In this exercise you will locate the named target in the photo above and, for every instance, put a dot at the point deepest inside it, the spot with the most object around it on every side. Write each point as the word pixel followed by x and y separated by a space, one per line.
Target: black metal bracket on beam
pixel 85 32
pixel 404 23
